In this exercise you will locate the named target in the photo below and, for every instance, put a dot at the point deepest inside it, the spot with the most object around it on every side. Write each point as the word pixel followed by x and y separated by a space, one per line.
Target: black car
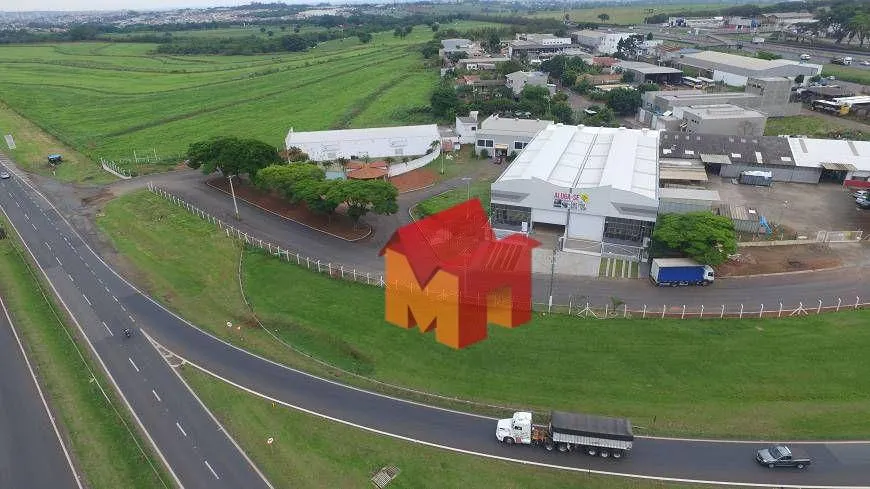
pixel 781 456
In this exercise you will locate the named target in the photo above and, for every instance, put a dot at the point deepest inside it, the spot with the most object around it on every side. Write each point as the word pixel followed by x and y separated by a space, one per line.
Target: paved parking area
pixel 805 208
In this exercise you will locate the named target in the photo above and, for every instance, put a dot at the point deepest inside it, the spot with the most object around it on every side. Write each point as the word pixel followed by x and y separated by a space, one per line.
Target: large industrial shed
pixel 593 184
pixel 375 142
pixel 834 159
pixel 728 156
pixel 735 70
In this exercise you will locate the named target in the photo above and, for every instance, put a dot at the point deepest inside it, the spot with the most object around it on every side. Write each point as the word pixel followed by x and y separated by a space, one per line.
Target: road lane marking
pixel 34 226
pixel 47 245
pixel 87 300
pixel 180 429
pixel 26 216
pixel 107 329
pixel 131 318
pixel 115 298
pixel 123 308
pixel 211 469
pixel 58 261
pixel 133 364
pixel 156 396
pixel 107 289
pixel 70 278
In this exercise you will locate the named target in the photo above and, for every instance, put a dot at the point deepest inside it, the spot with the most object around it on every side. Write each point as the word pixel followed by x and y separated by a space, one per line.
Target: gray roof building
pixel 455 45
pixel 734 69
pixel 723 119
pixel 644 72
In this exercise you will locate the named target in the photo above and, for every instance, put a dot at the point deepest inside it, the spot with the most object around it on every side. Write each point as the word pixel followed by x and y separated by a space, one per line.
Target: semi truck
pixel 680 271
pixel 568 432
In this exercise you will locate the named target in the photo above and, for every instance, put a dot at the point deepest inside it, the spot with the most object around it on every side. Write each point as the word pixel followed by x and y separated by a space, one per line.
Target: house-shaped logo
pixel 449 272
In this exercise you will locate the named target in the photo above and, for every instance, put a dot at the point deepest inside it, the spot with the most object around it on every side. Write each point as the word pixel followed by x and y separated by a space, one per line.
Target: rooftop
pixel 483 60
pixel 587 157
pixel 428 130
pixel 507 126
pixel 646 68
pixel 721 111
pixel 739 149
pixel 737 61
pixel 817 152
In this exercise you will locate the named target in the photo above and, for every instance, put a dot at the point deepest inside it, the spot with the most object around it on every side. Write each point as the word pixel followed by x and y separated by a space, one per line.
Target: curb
pixel 797 272
pixel 294 220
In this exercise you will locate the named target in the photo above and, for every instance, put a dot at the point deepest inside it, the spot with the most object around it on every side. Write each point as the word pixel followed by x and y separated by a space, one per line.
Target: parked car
pixel 865 63
pixel 781 456
pixel 861 194
pixel 862 203
pixel 4 175
pixel 805 57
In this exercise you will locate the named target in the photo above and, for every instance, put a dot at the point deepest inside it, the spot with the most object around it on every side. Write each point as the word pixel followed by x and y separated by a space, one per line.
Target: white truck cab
pixel 515 430
pixel 847 60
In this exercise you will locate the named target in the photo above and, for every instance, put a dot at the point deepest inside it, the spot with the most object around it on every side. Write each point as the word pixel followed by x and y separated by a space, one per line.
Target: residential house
pixel 466 128
pixel 501 136
pixel 518 80
pixel 603 42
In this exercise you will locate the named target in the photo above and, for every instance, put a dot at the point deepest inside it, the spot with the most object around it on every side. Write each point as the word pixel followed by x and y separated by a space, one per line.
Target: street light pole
pixel 467 188
pixel 233 193
pixel 552 276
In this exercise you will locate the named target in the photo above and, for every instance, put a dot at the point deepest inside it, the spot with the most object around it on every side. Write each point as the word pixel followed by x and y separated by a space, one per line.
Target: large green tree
pixel 702 236
pixel 231 156
pixel 444 101
pixel 289 180
pixel 317 196
pixel 624 101
pixel 362 196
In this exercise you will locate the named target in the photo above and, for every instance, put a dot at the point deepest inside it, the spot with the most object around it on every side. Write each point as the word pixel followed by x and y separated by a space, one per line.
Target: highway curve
pixel 836 464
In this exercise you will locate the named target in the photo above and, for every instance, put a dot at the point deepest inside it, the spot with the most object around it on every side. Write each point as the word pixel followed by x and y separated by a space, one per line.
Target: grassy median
pixel 101 445
pixel 789 378
pixel 308 451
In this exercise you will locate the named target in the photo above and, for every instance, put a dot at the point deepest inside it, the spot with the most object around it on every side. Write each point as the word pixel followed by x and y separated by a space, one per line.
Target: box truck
pixel 680 271
pixel 568 432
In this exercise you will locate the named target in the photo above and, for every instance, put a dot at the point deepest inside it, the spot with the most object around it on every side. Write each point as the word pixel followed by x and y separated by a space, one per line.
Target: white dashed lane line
pixel 133 364
pixel 156 396
pixel 87 300
pixel 107 329
pixel 211 469
pixel 180 429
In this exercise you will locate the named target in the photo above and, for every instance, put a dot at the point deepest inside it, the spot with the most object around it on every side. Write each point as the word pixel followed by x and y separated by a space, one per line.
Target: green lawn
pixel 476 189
pixel 102 447
pixel 112 100
pixel 809 125
pixel 308 451
pixel 628 15
pixel 750 378
pixel 847 73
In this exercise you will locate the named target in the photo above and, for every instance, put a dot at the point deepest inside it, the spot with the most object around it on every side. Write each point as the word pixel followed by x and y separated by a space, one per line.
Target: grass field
pixel 101 445
pixel 809 125
pixel 628 15
pixel 479 189
pixel 847 73
pixel 312 452
pixel 750 378
pixel 113 99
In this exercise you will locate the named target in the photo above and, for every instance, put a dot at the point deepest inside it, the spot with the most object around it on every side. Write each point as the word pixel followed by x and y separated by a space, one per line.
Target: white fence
pixel 400 168
pixel 573 308
pixel 114 169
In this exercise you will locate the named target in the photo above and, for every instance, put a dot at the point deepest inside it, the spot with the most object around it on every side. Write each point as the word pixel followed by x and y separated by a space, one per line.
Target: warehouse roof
pixel 721 111
pixel 428 130
pixel 586 157
pixel 646 68
pixel 737 61
pixel 753 150
pixel 689 194
pixel 823 152
pixel 507 126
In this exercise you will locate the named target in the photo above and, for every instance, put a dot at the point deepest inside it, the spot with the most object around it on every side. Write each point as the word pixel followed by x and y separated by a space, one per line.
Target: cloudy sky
pixel 31 5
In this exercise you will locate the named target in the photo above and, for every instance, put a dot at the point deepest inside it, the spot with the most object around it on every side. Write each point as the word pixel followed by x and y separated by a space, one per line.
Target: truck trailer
pixel 568 432
pixel 680 271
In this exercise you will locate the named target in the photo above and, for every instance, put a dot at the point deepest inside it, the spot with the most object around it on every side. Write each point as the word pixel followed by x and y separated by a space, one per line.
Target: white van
pixel 805 57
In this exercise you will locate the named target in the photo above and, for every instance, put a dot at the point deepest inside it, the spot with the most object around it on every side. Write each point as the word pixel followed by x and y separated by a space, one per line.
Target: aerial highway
pixel 191 443
pixel 73 268
pixel 32 452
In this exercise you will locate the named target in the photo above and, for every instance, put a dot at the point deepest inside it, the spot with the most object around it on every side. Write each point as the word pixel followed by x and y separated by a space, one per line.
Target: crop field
pixel 629 15
pixel 111 99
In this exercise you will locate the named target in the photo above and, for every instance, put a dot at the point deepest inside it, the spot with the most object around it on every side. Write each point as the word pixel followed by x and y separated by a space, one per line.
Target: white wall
pixel 400 168
pixel 729 78
pixel 586 226
pixel 549 216
pixel 396 143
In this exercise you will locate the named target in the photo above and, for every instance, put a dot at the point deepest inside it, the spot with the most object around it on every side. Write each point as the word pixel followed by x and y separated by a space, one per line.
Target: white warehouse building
pixel 597 187
pixel 374 142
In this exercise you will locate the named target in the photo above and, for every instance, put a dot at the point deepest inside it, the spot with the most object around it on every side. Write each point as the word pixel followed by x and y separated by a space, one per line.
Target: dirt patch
pixel 776 259
pixel 414 180
pixel 340 225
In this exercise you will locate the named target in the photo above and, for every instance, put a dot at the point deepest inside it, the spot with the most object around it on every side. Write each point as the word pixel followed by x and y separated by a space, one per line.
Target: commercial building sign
pixel 574 202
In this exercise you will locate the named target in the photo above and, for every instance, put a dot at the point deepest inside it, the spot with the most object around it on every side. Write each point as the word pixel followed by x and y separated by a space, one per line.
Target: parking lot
pixel 804 208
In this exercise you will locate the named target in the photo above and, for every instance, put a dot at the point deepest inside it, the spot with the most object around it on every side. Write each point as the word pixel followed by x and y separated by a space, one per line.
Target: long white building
pixel 375 142
pixel 596 186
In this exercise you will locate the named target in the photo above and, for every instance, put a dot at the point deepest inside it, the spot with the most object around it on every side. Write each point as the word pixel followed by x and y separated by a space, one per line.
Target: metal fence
pixel 573 308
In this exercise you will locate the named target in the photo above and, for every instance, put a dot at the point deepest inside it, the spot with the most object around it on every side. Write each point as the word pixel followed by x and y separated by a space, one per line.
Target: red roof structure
pixel 359 170
pixel 605 61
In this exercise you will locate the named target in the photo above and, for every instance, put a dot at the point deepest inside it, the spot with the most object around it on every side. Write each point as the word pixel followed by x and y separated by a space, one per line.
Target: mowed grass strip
pixel 308 451
pixel 809 125
pixel 102 448
pixel 789 378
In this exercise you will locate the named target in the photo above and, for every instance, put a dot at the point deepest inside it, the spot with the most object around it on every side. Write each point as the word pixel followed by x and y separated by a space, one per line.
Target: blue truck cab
pixel 680 271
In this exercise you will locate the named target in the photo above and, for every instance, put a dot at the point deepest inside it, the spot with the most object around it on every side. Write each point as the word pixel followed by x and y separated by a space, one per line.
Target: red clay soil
pixel 776 259
pixel 414 180
pixel 341 225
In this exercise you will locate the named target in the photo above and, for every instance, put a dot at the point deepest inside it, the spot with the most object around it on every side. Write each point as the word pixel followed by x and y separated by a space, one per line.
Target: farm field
pixel 649 370
pixel 629 15
pixel 110 100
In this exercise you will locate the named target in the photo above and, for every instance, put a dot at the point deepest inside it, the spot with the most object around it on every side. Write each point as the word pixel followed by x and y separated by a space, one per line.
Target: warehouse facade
pixel 598 187
pixel 735 70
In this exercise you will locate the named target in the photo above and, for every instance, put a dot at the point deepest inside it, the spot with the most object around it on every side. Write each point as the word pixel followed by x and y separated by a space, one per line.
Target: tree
pixel 648 87
pixel 563 113
pixel 493 43
pixel 295 154
pixel 767 55
pixel 799 79
pixel 624 101
pixel 435 26
pixel 364 196
pixel 702 236
pixel 262 30
pixel 398 32
pixel 627 77
pixel 231 156
pixel 444 101
pixel 270 33
pixel 289 180
pixel 603 17
pixel 319 196
pixel 535 99
pixel 649 36
pixel 364 37
pixel 507 67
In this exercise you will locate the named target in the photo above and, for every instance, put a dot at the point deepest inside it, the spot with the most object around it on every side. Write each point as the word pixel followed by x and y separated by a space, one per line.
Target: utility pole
pixel 467 187
pixel 552 276
pixel 233 193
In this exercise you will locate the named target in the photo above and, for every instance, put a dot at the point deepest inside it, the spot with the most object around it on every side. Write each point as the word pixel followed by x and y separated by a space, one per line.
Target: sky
pixel 73 5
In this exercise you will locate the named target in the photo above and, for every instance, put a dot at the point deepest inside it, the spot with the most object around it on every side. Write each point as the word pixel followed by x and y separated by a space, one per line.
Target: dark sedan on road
pixel 781 456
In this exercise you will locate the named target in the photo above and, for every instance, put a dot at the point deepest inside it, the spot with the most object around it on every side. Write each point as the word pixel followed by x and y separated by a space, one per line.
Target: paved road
pixel 791 290
pixel 200 454
pixel 836 464
pixel 32 453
